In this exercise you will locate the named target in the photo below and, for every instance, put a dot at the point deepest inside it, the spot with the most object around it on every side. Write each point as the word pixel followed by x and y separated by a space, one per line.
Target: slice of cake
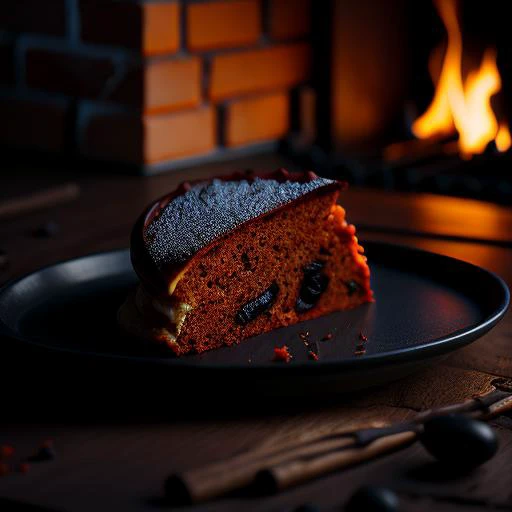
pixel 228 259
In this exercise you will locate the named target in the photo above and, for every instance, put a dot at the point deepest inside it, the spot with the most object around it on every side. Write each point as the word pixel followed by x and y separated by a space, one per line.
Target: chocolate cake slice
pixel 228 259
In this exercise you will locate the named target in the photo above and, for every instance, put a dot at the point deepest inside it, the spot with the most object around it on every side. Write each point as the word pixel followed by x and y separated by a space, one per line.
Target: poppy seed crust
pixel 211 209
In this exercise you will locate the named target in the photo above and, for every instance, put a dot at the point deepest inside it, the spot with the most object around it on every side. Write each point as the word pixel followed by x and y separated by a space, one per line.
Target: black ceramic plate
pixel 426 306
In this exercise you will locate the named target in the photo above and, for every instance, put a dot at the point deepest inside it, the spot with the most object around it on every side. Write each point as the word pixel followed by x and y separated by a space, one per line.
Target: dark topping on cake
pixel 255 307
pixel 313 285
pixel 208 210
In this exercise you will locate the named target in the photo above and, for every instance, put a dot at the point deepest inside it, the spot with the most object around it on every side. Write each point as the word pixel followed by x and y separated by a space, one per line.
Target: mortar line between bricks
pixel 117 53
pixel 183 26
pixel 265 18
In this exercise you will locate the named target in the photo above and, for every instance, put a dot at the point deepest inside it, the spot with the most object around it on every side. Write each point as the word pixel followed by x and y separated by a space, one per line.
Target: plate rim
pixel 417 353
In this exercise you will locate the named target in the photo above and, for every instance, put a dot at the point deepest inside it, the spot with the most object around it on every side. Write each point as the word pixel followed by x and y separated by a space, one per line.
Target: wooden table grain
pixel 120 462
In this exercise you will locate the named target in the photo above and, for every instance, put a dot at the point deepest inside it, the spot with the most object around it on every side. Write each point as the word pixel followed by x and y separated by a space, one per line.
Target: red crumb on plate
pixel 327 337
pixel 313 356
pixel 360 350
pixel 362 337
pixel 282 354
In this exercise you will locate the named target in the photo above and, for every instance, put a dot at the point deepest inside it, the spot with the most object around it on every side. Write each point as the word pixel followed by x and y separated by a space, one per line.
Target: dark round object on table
pixel 372 499
pixel 46 230
pixel 459 441
pixel 177 492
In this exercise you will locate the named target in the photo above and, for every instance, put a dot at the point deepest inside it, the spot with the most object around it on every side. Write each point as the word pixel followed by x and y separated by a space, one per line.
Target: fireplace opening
pixel 413 96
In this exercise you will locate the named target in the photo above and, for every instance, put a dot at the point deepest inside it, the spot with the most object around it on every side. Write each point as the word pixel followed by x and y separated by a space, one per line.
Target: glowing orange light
pixel 503 139
pixel 463 107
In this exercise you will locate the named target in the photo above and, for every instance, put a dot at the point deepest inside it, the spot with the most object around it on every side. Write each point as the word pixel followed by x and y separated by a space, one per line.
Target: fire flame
pixel 463 107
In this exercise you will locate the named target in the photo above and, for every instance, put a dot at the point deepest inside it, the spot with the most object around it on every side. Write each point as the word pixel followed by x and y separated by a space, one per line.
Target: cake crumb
pixel 362 337
pixel 360 350
pixel 282 354
pixel 313 356
pixel 327 337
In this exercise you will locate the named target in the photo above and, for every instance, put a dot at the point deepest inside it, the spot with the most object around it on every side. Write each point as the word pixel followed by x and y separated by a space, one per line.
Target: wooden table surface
pixel 119 464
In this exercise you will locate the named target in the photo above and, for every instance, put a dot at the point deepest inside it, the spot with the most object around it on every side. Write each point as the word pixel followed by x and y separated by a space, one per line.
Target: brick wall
pixel 151 83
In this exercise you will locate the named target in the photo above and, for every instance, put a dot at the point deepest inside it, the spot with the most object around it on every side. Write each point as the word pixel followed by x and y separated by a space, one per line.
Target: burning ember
pixel 463 106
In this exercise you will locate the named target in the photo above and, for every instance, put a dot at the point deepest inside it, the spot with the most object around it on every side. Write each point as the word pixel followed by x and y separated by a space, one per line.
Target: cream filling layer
pixel 176 314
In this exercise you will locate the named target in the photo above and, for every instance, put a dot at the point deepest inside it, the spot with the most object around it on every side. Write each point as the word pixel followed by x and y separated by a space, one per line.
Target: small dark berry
pixel 313 285
pixel 257 306
pixel 372 499
pixel 314 267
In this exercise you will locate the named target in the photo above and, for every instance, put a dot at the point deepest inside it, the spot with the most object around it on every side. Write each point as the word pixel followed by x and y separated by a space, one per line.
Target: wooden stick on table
pixel 276 469
pixel 39 200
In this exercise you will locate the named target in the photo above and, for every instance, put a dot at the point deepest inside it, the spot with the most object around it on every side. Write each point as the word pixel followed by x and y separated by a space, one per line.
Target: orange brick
pixel 154 86
pixel 161 28
pixel 259 70
pixel 290 18
pixel 170 85
pixel 149 139
pixel 31 123
pixel 257 119
pixel 152 27
pixel 178 135
pixel 223 24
